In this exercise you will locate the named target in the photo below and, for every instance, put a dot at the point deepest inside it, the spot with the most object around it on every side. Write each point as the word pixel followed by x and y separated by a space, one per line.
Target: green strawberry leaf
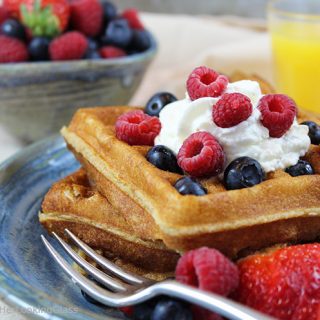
pixel 41 21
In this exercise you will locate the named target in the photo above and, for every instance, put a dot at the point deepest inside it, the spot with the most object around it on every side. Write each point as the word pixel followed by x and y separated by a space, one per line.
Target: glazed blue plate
pixel 29 278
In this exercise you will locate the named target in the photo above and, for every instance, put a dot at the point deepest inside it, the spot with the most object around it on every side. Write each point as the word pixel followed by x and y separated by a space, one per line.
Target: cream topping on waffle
pixel 249 138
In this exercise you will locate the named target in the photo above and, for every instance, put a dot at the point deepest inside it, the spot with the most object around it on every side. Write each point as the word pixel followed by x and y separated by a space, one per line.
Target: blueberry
pixel 93 44
pixel 39 49
pixel 171 309
pixel 243 172
pixel 140 41
pixel 89 298
pixel 92 52
pixel 301 168
pixel 188 185
pixel 314 131
pixel 13 28
pixel 117 33
pixel 157 102
pixel 131 52
pixel 163 158
pixel 109 11
pixel 92 55
pixel 144 310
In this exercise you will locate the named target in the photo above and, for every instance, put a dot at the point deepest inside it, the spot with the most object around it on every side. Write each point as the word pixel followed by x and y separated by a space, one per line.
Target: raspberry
pixel 277 113
pixel 137 128
pixel 205 82
pixel 108 52
pixel 4 14
pixel 128 311
pixel 209 270
pixel 131 15
pixel 204 314
pixel 201 155
pixel 69 46
pixel 231 109
pixel 12 50
pixel 284 283
pixel 87 16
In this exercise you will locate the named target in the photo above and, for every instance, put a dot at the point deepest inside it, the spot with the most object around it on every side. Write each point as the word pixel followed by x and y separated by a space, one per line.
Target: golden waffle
pixel 281 209
pixel 72 203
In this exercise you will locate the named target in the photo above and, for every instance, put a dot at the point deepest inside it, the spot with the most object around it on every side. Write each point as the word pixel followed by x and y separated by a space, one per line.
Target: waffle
pixel 281 209
pixel 74 204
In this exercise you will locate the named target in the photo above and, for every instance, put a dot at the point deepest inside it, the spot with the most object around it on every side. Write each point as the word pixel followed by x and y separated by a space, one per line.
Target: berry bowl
pixel 38 98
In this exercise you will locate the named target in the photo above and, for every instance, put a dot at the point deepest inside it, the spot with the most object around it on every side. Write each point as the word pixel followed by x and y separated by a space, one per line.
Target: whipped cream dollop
pixel 249 138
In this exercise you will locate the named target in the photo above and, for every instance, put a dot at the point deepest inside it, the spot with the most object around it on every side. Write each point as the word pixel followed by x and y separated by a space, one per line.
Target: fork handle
pixel 213 302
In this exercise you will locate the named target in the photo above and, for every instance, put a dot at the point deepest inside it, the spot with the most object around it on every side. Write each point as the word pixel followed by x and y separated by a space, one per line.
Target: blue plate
pixel 29 278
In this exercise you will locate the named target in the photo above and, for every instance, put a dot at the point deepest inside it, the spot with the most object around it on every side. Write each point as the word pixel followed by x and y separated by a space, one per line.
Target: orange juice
pixel 296 53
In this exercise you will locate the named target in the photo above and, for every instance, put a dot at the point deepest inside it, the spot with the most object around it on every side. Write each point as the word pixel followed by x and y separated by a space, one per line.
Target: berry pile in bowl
pixel 59 30
pixel 59 55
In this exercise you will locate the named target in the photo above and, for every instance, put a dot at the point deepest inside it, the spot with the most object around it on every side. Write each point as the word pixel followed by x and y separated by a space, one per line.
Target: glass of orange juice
pixel 295 33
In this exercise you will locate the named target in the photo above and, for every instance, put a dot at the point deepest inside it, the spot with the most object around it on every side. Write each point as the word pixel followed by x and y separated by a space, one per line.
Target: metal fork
pixel 128 289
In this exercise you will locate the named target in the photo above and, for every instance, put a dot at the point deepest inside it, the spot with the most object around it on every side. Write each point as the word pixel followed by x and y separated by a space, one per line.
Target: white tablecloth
pixel 226 44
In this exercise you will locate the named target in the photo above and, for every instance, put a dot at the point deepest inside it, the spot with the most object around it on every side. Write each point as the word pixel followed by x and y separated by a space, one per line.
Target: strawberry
pixel 4 14
pixel 46 18
pixel 284 283
pixel 13 7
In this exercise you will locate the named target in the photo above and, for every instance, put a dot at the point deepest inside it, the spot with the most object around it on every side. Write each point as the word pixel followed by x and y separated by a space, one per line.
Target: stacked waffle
pixel 122 205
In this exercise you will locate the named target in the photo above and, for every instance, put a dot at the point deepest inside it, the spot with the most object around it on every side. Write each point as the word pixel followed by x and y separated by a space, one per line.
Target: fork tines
pixel 122 288
pixel 121 281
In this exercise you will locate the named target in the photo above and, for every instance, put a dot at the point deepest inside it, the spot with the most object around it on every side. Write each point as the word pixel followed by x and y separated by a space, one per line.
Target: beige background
pixel 245 8
pixel 225 44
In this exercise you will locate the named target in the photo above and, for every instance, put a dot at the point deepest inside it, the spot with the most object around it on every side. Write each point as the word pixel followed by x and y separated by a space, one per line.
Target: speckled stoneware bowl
pixel 37 99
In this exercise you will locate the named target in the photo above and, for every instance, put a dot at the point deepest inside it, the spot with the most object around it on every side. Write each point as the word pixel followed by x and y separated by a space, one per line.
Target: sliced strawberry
pixel 284 283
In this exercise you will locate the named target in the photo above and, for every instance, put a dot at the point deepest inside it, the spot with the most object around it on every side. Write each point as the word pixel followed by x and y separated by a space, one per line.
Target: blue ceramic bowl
pixel 37 99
